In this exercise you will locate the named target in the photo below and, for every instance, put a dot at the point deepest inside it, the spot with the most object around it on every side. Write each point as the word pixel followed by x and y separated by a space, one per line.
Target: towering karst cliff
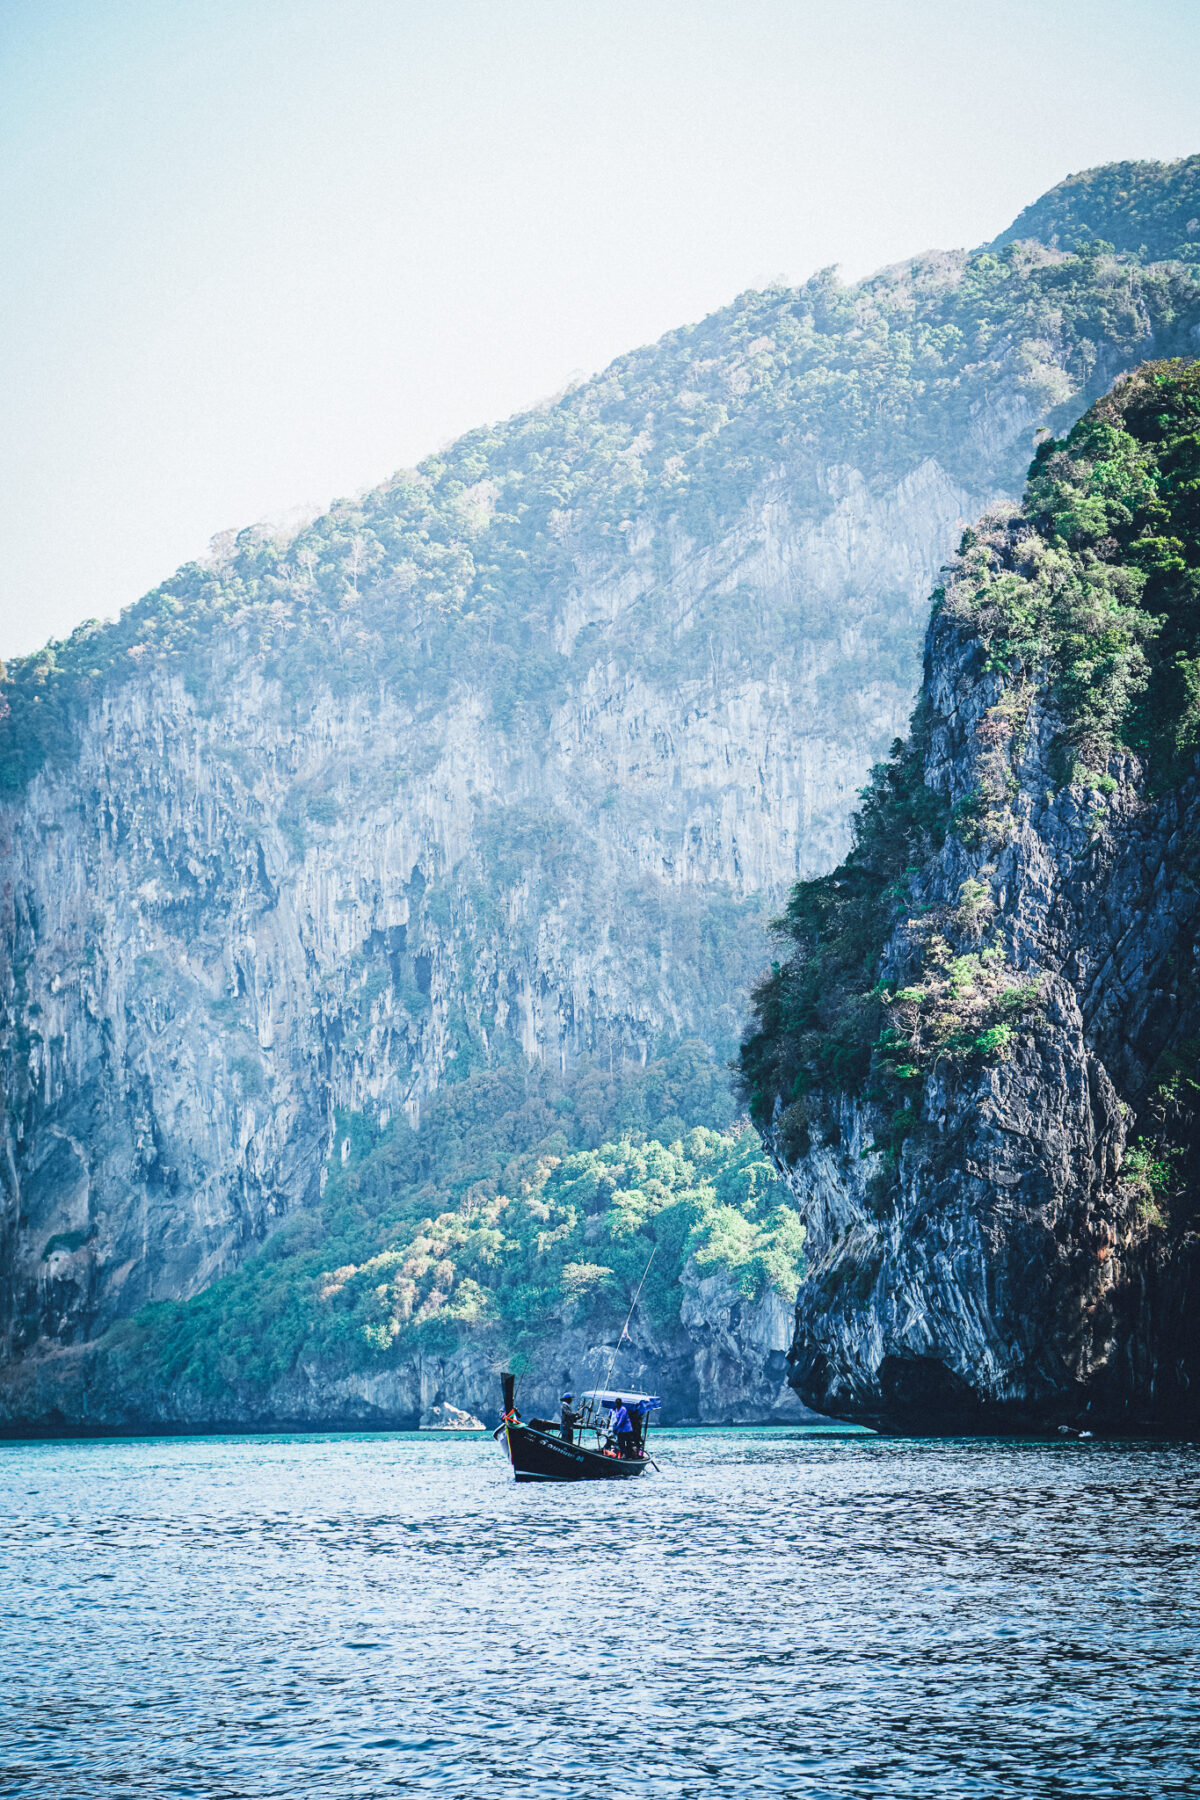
pixel 475 795
pixel 980 1065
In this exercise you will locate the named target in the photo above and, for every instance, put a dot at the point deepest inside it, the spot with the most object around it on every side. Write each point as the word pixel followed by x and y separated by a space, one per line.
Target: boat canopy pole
pixel 625 1327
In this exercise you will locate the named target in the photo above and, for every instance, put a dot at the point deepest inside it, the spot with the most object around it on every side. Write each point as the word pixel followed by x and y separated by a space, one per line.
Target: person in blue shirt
pixel 622 1426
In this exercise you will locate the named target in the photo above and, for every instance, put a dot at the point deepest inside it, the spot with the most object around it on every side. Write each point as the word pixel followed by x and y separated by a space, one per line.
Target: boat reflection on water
pixel 538 1451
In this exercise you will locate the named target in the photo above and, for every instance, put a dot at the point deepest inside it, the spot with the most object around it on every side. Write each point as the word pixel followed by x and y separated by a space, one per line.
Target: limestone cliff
pixel 226 930
pixel 980 1068
pixel 508 761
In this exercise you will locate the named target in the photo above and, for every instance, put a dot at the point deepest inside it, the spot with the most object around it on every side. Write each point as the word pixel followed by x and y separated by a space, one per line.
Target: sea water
pixel 771 1612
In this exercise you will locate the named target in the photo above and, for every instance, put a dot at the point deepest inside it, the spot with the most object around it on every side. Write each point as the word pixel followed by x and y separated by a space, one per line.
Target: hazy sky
pixel 265 252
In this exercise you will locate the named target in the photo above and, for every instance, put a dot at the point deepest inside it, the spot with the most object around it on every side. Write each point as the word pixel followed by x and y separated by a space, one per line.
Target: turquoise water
pixel 777 1612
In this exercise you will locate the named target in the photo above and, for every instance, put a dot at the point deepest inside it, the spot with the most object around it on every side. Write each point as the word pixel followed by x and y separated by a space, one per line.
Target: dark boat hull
pixel 536 1456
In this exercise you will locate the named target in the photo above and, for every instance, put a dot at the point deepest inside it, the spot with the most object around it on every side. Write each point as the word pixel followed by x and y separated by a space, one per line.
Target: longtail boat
pixel 538 1451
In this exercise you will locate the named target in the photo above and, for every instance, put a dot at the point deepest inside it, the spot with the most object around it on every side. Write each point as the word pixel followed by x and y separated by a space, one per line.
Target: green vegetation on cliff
pixel 1147 209
pixel 1097 596
pixel 486 1218
pixel 1085 602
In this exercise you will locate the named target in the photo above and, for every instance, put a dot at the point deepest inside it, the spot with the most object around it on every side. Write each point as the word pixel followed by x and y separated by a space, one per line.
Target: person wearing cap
pixel 622 1426
pixel 570 1418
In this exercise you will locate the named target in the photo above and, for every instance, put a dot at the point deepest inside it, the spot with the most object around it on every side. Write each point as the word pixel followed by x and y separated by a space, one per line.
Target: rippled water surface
pixel 776 1612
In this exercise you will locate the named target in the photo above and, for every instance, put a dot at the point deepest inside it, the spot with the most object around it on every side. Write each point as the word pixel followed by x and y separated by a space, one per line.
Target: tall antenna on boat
pixel 625 1327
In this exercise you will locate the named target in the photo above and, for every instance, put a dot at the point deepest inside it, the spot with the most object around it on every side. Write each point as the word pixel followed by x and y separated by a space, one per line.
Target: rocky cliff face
pixel 1002 1190
pixel 224 932
pixel 1020 1272
pixel 468 773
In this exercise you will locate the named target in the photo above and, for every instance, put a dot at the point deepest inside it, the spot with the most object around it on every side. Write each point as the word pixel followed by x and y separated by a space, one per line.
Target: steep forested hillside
pixel 1145 209
pixel 980 1063
pixel 485 785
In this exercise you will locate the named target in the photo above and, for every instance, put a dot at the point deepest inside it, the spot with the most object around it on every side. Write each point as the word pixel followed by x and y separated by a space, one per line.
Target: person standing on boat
pixel 622 1426
pixel 569 1418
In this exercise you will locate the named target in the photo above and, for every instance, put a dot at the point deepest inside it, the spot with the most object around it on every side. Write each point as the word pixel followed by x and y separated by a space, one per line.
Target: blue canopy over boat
pixel 634 1403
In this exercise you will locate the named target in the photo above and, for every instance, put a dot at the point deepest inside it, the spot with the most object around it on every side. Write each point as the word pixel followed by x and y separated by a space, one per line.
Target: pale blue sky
pixel 263 253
